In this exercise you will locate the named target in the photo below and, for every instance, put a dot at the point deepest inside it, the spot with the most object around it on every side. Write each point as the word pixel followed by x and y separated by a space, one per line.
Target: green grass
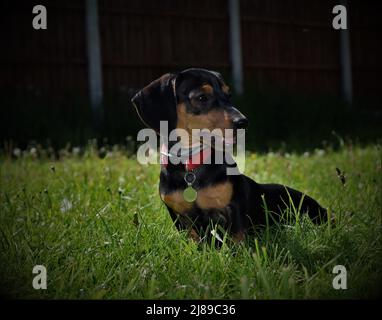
pixel 100 229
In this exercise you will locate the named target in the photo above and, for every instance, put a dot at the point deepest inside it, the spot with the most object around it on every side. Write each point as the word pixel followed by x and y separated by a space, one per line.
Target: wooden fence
pixel 287 44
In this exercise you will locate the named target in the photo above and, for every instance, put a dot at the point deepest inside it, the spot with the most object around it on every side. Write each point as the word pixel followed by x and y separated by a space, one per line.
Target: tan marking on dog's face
pixel 225 89
pixel 215 197
pixel 176 202
pixel 215 119
pixel 206 88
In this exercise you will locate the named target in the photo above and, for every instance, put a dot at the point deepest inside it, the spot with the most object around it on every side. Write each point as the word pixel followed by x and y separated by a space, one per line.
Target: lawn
pixel 101 231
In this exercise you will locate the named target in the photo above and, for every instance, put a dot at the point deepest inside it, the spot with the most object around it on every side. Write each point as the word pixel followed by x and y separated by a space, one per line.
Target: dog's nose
pixel 240 123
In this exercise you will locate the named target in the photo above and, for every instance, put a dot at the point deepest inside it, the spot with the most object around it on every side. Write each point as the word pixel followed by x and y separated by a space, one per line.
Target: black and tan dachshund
pixel 200 99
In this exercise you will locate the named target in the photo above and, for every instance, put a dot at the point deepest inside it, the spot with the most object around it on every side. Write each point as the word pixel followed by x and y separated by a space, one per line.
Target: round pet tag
pixel 190 194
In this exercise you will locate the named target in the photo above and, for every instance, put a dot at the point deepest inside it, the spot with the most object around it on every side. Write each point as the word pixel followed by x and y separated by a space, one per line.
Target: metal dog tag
pixel 190 194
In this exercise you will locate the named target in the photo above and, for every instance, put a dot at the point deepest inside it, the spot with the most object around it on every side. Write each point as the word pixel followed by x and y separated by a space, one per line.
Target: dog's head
pixel 191 99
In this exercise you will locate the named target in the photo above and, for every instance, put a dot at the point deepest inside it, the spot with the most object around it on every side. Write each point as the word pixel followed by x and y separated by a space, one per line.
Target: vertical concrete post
pixel 235 45
pixel 94 62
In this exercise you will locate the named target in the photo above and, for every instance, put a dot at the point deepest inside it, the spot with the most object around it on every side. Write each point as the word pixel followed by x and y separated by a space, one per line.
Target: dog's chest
pixel 216 196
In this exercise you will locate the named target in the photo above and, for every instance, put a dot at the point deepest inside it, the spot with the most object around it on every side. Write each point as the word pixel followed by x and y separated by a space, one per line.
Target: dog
pixel 200 99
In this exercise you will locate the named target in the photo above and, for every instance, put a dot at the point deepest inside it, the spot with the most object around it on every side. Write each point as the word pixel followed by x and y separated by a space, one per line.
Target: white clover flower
pixel 66 205
pixel 17 152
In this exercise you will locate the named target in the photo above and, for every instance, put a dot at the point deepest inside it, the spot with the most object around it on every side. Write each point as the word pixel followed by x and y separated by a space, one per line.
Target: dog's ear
pixel 157 102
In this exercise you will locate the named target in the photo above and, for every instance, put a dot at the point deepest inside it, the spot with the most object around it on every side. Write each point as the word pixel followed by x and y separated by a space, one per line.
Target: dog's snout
pixel 240 123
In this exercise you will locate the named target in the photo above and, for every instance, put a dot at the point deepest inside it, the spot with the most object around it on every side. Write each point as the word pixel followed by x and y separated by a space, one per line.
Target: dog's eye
pixel 202 98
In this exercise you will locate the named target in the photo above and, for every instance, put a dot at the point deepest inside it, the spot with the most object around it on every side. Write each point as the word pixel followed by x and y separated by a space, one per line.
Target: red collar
pixel 193 162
